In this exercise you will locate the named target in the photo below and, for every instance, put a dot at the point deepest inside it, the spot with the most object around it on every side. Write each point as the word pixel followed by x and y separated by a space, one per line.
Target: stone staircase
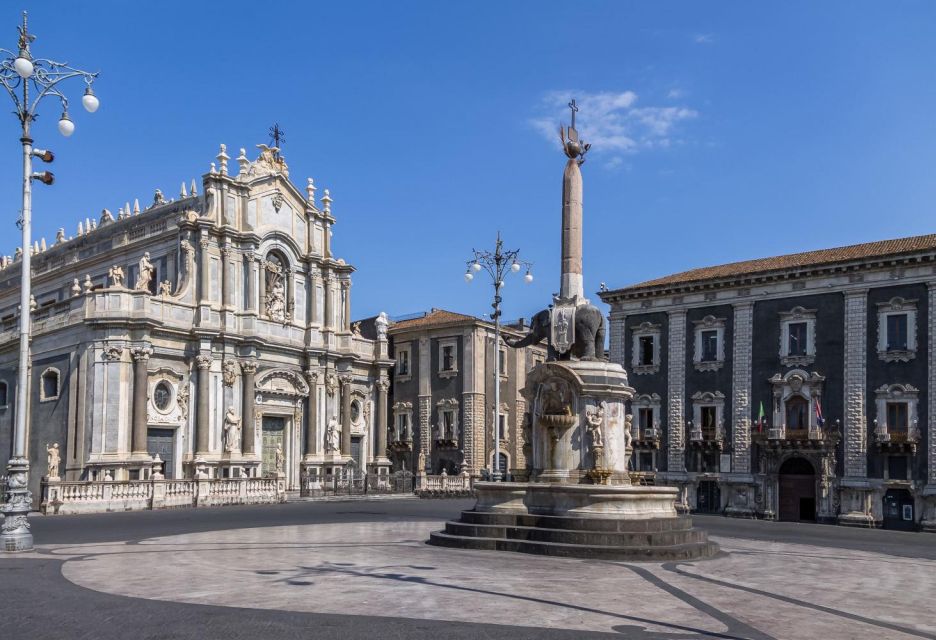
pixel 656 539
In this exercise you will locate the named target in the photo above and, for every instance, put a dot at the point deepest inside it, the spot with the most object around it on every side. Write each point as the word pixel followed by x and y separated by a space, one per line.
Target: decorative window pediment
pixel 446 428
pixel 798 337
pixel 709 354
pixel 646 409
pixel 897 334
pixel 708 417
pixel 796 394
pixel 645 348
pixel 897 419
pixel 402 430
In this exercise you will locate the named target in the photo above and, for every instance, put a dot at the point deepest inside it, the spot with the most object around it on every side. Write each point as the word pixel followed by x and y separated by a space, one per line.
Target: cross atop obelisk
pixel 571 288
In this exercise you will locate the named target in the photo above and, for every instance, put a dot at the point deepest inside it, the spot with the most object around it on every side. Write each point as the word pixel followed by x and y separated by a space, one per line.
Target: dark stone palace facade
pixel 799 387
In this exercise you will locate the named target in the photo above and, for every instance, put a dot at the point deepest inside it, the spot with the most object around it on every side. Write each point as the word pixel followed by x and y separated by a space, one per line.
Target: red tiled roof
pixel 434 317
pixel 822 257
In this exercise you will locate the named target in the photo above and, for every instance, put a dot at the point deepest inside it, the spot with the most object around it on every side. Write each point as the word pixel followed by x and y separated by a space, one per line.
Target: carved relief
pixel 112 354
pixel 229 372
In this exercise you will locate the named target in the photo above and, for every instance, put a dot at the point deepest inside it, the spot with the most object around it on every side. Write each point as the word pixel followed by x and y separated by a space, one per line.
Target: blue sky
pixel 721 131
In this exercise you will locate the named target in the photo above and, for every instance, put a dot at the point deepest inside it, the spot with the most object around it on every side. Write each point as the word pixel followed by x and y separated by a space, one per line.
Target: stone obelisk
pixel 571 288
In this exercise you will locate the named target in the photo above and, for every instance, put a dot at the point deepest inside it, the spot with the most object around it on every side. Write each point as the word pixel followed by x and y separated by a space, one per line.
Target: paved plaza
pixel 341 569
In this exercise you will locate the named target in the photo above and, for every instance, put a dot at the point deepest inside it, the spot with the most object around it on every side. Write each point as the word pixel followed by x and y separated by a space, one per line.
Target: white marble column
pixel 676 392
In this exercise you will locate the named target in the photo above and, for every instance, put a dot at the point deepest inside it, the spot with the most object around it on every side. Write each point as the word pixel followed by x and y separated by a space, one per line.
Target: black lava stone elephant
pixel 589 335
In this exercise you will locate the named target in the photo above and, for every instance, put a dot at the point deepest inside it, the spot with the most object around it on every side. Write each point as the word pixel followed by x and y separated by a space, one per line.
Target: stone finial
pixel 120 213
pixel 93 224
pixel 106 217
pixel 88 285
pixel 42 245
pixel 35 248
pixel 326 202
pixel 243 162
pixel 183 193
pixel 60 236
pixel 33 305
pixel 213 170
pixel 75 288
pixel 310 191
pixel 223 158
pixel 80 228
pixel 193 190
pixel 87 225
pixel 136 206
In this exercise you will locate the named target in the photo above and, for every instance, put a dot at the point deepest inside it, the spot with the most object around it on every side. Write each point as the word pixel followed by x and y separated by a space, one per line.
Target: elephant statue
pixel 589 335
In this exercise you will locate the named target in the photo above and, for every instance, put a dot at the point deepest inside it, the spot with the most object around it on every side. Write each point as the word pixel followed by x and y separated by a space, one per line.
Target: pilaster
pixel 248 370
pixel 928 521
pixel 856 496
pixel 140 397
pixel 676 392
pixel 202 424
pixel 741 387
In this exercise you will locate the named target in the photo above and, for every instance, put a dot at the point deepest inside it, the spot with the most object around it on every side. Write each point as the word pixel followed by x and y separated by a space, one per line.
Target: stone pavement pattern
pixel 757 590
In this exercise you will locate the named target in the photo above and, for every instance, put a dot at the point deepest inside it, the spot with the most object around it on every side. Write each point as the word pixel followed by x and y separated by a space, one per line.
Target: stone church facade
pixel 800 387
pixel 213 330
pixel 442 402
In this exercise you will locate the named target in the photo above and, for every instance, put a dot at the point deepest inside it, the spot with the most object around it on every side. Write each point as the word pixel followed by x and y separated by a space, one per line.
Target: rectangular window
pixel 796 335
pixel 897 417
pixel 645 461
pixel 403 426
pixel 708 422
pixel 897 332
pixel 448 358
pixel 646 350
pixel 448 425
pixel 502 361
pixel 502 427
pixel 644 419
pixel 403 363
pixel 709 346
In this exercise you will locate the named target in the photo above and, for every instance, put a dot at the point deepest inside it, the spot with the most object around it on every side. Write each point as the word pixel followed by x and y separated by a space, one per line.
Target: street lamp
pixel 18 73
pixel 498 265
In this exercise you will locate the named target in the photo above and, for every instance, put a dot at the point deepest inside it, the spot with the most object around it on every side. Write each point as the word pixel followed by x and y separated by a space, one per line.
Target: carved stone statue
pixel 276 300
pixel 382 323
pixel 331 436
pixel 280 459
pixel 54 460
pixel 147 271
pixel 116 275
pixel 595 419
pixel 421 466
pixel 356 329
pixel 165 288
pixel 229 371
pixel 232 432
pixel 76 288
pixel 589 334
pixel 88 285
pixel 628 431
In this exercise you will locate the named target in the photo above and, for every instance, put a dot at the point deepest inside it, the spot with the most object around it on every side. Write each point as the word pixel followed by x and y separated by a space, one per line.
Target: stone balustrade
pixel 444 485
pixel 140 495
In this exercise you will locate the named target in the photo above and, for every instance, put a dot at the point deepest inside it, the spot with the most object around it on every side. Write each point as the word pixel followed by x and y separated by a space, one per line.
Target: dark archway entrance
pixel 797 495
pixel 708 497
pixel 898 510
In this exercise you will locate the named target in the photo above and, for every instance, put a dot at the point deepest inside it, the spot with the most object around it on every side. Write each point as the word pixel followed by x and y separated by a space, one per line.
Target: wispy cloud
pixel 675 94
pixel 613 122
pixel 704 38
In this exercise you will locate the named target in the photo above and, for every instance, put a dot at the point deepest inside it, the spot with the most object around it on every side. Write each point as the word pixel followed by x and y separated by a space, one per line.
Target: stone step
pixel 609 525
pixel 570 536
pixel 663 553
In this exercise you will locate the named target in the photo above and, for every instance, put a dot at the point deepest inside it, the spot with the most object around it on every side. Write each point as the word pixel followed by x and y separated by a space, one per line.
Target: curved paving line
pixel 674 567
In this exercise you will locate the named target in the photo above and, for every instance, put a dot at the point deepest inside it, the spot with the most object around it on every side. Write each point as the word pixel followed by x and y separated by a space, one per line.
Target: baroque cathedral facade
pixel 212 331
pixel 798 387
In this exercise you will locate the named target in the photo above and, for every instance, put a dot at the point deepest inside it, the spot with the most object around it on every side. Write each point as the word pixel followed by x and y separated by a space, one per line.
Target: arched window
pixel 49 384
pixel 797 413
pixel 4 401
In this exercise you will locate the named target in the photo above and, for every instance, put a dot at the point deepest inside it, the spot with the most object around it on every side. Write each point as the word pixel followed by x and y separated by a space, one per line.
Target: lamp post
pixel 20 72
pixel 498 265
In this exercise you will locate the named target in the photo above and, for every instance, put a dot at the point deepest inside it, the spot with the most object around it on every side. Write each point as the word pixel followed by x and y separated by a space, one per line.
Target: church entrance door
pixel 797 494
pixel 274 435
pixel 160 441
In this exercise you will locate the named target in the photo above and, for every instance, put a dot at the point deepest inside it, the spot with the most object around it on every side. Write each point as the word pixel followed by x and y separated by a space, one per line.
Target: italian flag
pixel 760 417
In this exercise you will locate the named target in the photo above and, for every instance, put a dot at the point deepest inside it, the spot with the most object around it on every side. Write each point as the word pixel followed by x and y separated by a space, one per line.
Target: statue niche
pixel 276 300
pixel 589 338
